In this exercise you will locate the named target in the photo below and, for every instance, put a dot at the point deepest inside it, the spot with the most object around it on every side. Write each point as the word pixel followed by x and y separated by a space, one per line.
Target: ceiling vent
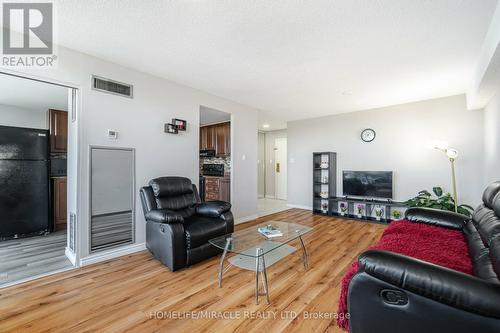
pixel 112 87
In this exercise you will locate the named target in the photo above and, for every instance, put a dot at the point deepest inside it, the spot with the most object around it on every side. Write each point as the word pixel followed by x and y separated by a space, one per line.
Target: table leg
pixel 264 278
pixel 304 254
pixel 257 262
pixel 221 264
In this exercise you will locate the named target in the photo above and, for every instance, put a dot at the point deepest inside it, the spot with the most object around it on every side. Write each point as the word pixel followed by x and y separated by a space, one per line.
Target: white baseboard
pixel 246 219
pixel 270 197
pixel 70 255
pixel 113 253
pixel 299 206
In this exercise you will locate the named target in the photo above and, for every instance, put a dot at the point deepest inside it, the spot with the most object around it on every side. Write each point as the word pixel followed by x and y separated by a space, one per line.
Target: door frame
pixel 74 116
pixel 286 168
pixel 231 136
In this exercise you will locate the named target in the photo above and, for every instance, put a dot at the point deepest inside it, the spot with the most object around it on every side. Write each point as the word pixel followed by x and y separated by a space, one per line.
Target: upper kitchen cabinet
pixel 58 127
pixel 216 137
pixel 207 137
pixel 222 139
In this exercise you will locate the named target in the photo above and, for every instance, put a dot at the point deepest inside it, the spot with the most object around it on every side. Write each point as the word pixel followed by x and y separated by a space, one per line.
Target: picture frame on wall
pixel 171 129
pixel 180 124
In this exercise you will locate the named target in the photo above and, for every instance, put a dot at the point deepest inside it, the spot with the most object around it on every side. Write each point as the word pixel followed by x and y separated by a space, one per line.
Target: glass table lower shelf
pixel 255 252
pixel 248 262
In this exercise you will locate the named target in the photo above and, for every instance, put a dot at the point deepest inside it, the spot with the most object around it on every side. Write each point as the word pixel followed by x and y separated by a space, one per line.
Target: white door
pixel 280 168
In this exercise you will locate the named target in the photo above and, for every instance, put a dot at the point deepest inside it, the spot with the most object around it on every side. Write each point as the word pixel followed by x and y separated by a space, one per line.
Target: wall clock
pixel 368 135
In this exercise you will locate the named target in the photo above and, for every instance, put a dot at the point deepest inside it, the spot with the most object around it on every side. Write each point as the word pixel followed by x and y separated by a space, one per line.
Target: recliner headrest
pixel 489 194
pixel 171 186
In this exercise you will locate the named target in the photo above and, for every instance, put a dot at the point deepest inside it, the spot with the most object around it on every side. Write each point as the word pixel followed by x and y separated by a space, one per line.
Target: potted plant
pixel 379 212
pixel 396 214
pixel 343 208
pixel 443 201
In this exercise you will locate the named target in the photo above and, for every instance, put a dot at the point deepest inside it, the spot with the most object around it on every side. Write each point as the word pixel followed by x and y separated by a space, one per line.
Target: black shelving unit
pixel 324 181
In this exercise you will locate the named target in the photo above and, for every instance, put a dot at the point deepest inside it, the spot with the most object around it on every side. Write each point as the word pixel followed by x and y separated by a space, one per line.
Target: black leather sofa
pixel 178 225
pixel 396 293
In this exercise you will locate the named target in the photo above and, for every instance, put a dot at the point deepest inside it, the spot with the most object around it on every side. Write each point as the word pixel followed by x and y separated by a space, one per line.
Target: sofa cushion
pixel 487 224
pixel 199 230
pixel 479 253
pixel 490 193
pixel 495 255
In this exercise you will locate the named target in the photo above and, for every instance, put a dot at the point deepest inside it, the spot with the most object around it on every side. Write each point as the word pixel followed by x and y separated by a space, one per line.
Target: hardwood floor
pixel 136 293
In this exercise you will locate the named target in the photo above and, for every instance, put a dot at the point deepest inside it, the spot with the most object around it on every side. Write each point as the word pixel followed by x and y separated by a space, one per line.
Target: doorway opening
pixel 215 151
pixel 272 172
pixel 37 123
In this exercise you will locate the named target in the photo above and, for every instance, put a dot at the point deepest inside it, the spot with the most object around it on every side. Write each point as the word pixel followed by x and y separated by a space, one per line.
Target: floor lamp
pixel 452 155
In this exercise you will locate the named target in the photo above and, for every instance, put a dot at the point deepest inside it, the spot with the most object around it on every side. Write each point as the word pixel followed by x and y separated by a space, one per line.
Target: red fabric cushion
pixel 440 246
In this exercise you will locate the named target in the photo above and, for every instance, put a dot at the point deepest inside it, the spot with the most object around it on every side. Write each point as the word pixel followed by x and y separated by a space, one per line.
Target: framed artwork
pixel 171 129
pixel 378 212
pixel 359 210
pixel 180 124
pixel 343 208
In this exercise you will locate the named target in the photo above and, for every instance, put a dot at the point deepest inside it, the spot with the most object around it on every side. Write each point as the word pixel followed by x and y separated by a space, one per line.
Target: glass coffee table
pixel 255 252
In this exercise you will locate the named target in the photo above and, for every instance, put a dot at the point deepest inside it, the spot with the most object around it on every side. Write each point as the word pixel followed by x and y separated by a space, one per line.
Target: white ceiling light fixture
pixel 266 126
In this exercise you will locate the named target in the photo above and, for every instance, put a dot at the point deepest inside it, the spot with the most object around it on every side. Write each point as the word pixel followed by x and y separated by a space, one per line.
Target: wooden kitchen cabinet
pixel 225 189
pixel 217 188
pixel 223 139
pixel 59 195
pixel 207 137
pixel 216 137
pixel 58 128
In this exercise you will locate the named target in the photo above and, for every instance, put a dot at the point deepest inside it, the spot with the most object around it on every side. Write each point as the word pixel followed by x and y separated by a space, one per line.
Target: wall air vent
pixel 112 87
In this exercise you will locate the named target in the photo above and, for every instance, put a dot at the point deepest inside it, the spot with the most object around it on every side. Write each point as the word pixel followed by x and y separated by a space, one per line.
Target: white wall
pixel 20 117
pixel 492 139
pixel 140 121
pixel 270 138
pixel 401 145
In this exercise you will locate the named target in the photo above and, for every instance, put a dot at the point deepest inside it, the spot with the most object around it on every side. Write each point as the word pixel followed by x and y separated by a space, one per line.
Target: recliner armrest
pixel 441 284
pixel 164 216
pixel 437 217
pixel 212 208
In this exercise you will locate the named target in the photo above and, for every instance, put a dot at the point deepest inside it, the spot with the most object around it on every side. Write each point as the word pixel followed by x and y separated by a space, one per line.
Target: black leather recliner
pixel 178 225
pixel 396 293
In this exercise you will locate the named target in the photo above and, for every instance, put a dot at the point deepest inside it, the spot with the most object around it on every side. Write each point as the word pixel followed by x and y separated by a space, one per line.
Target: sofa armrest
pixel 164 216
pixel 212 208
pixel 437 217
pixel 440 284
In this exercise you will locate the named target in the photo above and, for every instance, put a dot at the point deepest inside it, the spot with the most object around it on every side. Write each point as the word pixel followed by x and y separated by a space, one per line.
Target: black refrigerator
pixel 24 181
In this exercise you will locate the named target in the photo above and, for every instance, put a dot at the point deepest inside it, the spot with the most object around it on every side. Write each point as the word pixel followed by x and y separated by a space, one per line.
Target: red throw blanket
pixel 440 246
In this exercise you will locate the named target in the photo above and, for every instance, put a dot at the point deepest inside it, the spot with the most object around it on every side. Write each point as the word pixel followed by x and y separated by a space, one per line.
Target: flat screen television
pixel 373 184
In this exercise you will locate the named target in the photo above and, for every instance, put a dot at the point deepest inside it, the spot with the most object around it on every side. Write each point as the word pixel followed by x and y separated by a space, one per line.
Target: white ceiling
pixel 212 116
pixel 292 59
pixel 32 95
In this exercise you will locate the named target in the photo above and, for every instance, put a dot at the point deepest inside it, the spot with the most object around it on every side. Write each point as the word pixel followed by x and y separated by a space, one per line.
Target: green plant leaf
pixel 443 201
pixel 438 191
